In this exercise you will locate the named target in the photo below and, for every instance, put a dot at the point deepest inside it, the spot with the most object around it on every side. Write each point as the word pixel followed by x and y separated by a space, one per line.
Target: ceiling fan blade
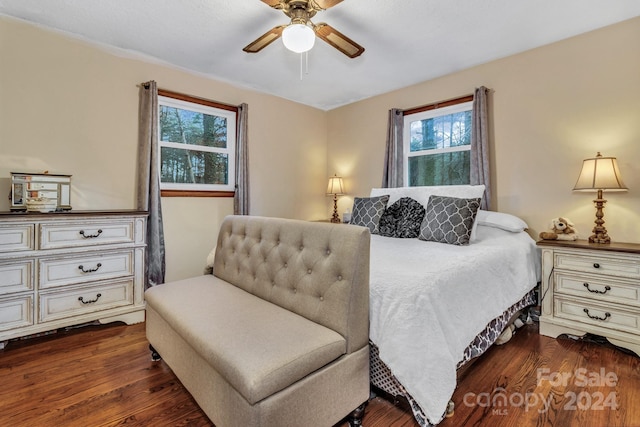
pixel 272 3
pixel 338 40
pixel 264 40
pixel 315 4
pixel 325 4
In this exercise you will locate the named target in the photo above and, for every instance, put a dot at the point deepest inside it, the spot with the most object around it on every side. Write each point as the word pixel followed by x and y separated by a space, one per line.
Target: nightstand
pixel 591 287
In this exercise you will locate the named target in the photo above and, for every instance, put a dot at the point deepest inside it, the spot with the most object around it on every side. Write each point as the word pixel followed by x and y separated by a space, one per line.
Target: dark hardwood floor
pixel 103 376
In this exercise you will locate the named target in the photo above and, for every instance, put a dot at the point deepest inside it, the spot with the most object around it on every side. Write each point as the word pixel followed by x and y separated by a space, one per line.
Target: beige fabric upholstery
pixel 307 268
pixel 275 349
pixel 279 334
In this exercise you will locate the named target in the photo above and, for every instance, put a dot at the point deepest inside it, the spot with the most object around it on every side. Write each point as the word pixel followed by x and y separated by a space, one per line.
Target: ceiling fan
pixel 300 34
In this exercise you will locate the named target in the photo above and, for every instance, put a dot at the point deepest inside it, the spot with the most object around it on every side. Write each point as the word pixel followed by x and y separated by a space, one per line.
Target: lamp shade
pixel 600 173
pixel 298 38
pixel 336 186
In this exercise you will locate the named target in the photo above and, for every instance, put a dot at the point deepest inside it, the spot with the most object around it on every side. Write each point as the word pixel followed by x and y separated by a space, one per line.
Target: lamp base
pixel 599 231
pixel 600 238
pixel 335 218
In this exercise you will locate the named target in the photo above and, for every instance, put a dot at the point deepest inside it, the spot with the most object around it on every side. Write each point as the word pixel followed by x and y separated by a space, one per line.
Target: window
pixel 197 141
pixel 437 145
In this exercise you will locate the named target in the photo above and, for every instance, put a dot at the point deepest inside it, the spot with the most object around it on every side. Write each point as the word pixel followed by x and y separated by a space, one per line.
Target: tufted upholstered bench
pixel 278 334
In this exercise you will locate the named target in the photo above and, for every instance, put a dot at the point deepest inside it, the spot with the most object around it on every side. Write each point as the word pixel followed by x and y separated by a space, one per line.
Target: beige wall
pixel 552 107
pixel 70 107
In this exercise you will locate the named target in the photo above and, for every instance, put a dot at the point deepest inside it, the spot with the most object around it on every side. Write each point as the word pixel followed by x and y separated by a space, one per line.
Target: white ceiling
pixel 406 41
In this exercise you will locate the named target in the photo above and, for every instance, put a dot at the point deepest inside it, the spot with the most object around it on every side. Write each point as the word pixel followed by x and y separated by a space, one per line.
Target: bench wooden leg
pixel 155 356
pixel 355 418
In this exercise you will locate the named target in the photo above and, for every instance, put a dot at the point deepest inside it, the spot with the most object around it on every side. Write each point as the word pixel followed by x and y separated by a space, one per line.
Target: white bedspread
pixel 429 300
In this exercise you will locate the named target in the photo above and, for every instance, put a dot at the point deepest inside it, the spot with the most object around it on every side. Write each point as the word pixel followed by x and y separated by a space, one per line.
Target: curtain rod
pixel 197 100
pixel 191 98
pixel 194 99
pixel 436 105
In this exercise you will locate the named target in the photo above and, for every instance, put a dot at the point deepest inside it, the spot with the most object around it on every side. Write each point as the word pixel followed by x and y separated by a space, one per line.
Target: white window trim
pixel 230 151
pixel 423 115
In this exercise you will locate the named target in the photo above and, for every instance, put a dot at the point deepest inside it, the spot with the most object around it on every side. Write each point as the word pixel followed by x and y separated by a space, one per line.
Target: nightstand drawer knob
pixel 90 236
pixel 89 270
pixel 606 315
pixel 595 291
pixel 596 265
pixel 91 301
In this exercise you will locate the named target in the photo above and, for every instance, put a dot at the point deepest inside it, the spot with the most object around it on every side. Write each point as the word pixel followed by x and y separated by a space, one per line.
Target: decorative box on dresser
pixel 591 288
pixel 67 268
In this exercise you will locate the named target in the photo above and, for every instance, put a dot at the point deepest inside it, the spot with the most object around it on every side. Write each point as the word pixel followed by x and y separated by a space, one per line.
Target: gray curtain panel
pixel 148 191
pixel 480 172
pixel 241 197
pixel 393 174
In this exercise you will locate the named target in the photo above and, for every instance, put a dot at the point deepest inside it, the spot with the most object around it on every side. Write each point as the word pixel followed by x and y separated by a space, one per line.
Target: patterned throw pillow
pixel 402 219
pixel 368 210
pixel 449 220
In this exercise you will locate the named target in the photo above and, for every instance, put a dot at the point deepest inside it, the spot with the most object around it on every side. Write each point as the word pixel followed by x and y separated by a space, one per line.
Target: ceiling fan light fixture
pixel 298 38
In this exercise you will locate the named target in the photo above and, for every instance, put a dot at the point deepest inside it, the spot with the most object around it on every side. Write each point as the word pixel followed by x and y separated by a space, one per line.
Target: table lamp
pixel 600 173
pixel 335 189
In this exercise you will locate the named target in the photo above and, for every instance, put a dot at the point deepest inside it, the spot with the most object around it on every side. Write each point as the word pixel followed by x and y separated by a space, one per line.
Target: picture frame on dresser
pixel 68 268
pixel 591 288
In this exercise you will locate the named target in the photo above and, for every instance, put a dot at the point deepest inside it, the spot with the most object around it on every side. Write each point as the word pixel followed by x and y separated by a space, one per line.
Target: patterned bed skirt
pixel 383 378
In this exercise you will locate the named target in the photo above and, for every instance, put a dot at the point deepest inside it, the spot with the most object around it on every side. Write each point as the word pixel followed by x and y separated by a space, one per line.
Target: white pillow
pixel 501 220
pixel 211 257
pixel 421 194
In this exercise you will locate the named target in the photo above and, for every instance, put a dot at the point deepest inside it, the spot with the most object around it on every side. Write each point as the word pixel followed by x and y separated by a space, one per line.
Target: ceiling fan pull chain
pixel 304 58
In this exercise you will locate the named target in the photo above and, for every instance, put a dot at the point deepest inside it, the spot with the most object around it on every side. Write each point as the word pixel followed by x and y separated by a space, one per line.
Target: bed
pixel 435 305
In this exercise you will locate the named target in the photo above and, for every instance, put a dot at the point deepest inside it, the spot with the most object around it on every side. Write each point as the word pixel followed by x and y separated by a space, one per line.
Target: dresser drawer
pixel 16 312
pixel 88 299
pixel 603 316
pixel 84 268
pixel 597 288
pixel 86 233
pixel 15 238
pixel 16 277
pixel 598 264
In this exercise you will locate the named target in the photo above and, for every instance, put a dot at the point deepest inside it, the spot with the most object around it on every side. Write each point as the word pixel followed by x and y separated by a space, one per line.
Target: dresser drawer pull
pixel 596 265
pixel 606 315
pixel 595 291
pixel 90 270
pixel 97 298
pixel 90 236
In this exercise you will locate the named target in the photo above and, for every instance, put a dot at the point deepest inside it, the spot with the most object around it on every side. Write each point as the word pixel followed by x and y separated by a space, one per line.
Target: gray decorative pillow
pixel 402 219
pixel 449 220
pixel 368 210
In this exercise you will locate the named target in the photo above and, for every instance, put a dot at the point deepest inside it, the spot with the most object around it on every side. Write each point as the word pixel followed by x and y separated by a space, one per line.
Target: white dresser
pixel 67 268
pixel 591 287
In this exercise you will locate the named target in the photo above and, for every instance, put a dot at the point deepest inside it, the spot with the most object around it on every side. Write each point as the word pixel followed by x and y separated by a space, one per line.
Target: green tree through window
pixel 437 146
pixel 197 146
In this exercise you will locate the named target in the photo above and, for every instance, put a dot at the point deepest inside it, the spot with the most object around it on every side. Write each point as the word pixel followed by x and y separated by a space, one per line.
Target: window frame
pixel 427 112
pixel 191 103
